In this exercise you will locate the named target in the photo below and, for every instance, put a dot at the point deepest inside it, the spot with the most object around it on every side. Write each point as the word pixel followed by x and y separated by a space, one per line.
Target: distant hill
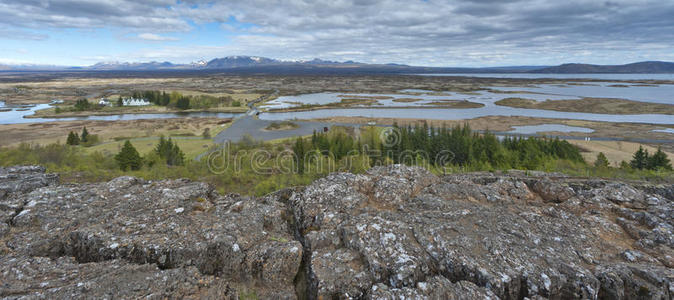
pixel 132 66
pixel 240 61
pixel 639 67
pixel 258 64
pixel 263 65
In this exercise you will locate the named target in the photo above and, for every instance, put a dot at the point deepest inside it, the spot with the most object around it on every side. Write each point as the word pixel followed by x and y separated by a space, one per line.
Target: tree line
pixel 642 160
pixel 180 101
pixel 457 146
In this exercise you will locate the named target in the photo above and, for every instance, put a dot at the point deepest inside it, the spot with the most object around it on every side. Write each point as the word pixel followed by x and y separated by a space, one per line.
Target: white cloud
pixel 155 37
pixel 9 61
pixel 434 32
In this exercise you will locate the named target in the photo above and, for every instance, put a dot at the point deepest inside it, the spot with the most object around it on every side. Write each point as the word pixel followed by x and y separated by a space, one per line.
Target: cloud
pixel 135 15
pixel 18 34
pixel 433 32
pixel 155 38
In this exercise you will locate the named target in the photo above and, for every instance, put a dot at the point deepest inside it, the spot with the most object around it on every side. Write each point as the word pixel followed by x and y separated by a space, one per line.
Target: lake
pixel 386 105
pixel 388 108
pixel 459 114
pixel 617 76
pixel 16 116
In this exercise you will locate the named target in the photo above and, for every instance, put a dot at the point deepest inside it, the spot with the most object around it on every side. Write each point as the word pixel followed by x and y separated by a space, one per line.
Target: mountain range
pixel 257 64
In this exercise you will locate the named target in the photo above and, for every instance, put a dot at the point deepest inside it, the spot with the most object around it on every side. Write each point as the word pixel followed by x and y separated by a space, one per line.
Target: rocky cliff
pixel 394 232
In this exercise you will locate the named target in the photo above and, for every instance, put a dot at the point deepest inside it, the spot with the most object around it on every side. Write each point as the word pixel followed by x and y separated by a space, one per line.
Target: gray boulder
pixel 393 232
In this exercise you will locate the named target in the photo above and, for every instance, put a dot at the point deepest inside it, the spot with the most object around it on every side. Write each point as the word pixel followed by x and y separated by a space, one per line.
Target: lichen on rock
pixel 392 232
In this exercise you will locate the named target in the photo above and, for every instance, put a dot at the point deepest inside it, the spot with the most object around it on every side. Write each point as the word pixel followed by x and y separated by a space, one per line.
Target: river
pixel 386 105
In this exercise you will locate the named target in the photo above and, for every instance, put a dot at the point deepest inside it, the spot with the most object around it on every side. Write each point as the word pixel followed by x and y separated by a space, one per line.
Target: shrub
pixel 601 161
pixel 92 139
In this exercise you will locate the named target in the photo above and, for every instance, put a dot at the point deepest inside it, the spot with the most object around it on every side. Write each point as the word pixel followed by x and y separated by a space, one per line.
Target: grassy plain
pixel 150 109
pixel 615 151
pixel 43 87
pixel 191 146
pixel 52 132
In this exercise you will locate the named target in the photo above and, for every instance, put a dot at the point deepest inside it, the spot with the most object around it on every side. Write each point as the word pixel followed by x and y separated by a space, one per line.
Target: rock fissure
pixel 392 232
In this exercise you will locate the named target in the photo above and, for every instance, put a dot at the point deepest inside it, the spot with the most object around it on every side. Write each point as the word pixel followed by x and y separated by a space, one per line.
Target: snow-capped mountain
pixel 240 61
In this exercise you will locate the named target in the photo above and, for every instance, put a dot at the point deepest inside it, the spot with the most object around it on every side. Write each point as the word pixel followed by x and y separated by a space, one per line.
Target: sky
pixel 463 33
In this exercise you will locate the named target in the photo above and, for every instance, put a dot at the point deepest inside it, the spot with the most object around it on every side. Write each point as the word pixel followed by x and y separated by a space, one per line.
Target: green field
pixel 190 146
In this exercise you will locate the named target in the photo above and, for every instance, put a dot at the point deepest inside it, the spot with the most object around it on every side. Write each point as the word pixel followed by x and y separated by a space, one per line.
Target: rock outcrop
pixel 393 232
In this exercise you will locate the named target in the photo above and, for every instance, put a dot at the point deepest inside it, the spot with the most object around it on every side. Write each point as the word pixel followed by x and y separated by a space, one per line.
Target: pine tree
pixel 640 159
pixel 84 137
pixel 82 104
pixel 120 102
pixel 177 157
pixel 659 160
pixel 602 161
pixel 73 139
pixel 207 133
pixel 128 158
pixel 170 152
pixel 298 150
pixel 183 103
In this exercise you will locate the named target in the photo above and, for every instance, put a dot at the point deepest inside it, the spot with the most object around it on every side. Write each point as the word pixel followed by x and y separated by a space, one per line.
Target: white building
pixel 135 102
pixel 104 102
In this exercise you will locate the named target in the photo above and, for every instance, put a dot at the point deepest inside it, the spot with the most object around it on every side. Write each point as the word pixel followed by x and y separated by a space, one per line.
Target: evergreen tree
pixel 206 134
pixel 120 102
pixel 177 157
pixel 640 159
pixel 410 145
pixel 170 152
pixel 128 158
pixel 183 103
pixel 73 139
pixel 659 160
pixel 298 149
pixel 601 161
pixel 82 104
pixel 84 137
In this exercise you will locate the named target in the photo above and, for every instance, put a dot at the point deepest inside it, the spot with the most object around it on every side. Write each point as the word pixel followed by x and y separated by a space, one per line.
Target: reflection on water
pixel 417 104
pixel 409 97
pixel 532 129
pixel 460 114
pixel 666 130
pixel 488 98
pixel 663 93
